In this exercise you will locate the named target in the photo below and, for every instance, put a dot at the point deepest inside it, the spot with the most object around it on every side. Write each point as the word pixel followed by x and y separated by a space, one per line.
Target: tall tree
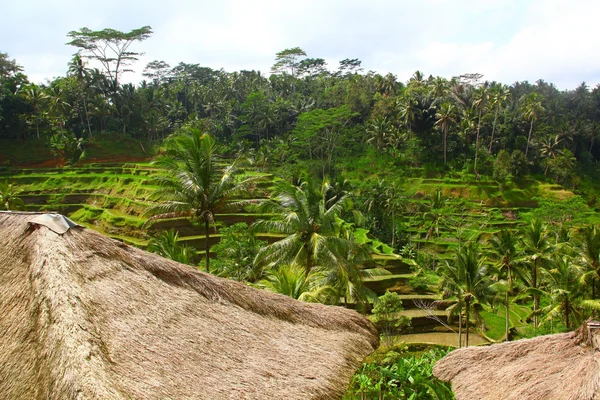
pixel 157 71
pixel 504 253
pixel 288 61
pixel 379 130
pixel 499 97
pixel 467 279
pixel 566 293
pixel 532 108
pixel 590 246
pixel 312 226
pixel 537 254
pixel 78 69
pixel 195 185
pixel 36 96
pixel 444 118
pixel 408 111
pixel 480 104
pixel 110 47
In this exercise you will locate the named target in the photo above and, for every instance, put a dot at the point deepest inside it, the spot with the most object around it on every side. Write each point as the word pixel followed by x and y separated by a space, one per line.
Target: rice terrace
pixel 319 232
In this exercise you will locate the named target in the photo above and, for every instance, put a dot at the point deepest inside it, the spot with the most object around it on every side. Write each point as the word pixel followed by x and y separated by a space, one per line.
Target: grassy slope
pixel 111 197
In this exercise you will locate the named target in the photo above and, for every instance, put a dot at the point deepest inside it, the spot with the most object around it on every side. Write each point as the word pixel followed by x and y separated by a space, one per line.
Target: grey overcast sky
pixel 505 40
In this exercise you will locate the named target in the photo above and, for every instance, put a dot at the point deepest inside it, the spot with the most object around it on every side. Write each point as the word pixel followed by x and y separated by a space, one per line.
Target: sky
pixel 505 40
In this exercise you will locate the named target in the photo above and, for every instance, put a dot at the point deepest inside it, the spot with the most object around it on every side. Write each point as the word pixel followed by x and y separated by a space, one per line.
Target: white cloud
pixel 556 42
pixel 506 40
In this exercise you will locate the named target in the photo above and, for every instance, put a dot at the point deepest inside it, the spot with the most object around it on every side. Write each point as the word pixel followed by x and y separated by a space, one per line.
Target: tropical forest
pixel 451 211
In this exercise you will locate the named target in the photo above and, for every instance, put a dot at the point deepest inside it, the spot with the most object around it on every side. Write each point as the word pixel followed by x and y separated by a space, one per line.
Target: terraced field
pixel 112 198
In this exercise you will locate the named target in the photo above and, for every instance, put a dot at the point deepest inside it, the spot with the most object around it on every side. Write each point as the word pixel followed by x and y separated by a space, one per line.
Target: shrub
pixel 385 314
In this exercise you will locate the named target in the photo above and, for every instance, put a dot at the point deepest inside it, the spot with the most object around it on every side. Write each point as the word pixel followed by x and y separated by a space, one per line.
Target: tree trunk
pixel 460 329
pixel 467 306
pixel 493 130
pixel 477 141
pixel 308 260
pixel 393 230
pixel 567 312
pixel 87 116
pixel 529 138
pixel 536 297
pixel 507 314
pixel 206 245
pixel 445 141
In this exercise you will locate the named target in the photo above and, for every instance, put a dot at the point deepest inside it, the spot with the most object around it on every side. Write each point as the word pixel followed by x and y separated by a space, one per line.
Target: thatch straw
pixel 86 317
pixel 553 367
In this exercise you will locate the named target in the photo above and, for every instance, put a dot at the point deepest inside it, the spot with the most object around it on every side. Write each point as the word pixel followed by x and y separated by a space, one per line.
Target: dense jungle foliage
pixel 486 192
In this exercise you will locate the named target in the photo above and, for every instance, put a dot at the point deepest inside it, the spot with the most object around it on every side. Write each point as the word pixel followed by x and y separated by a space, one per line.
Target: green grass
pixel 380 278
pixel 495 325
pixel 495 321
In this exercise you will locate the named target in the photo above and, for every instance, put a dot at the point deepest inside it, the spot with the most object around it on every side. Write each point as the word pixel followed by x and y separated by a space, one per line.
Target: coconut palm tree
pixel 60 108
pixel 292 281
pixel 312 226
pixel 444 118
pixel 532 108
pixel 503 251
pixel 408 111
pixel 537 254
pixel 500 95
pixel 566 293
pixel 379 129
pixel 467 279
pixel 440 87
pixel 590 250
pixel 480 100
pixel 78 69
pixel 195 185
pixel 37 96
pixel 9 199
pixel 167 244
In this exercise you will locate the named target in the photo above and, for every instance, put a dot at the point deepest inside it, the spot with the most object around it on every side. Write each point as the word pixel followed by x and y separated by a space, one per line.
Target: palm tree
pixel 59 106
pixel 394 202
pixel 379 129
pixel 467 279
pixel 36 96
pixel 9 199
pixel 500 95
pixel 503 251
pixel 82 74
pixel 550 149
pixel 166 244
pixel 532 109
pixel 480 103
pixel 312 226
pixel 292 281
pixel 195 185
pixel 434 214
pixel 566 292
pixel 408 111
pixel 439 87
pixel 444 118
pixel 537 253
pixel 590 246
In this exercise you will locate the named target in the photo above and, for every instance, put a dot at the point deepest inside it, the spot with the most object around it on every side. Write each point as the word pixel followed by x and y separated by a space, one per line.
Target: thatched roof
pixel 87 317
pixel 553 367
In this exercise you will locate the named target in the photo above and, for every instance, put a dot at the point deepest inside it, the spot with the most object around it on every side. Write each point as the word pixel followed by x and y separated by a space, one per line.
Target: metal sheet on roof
pixel 56 222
